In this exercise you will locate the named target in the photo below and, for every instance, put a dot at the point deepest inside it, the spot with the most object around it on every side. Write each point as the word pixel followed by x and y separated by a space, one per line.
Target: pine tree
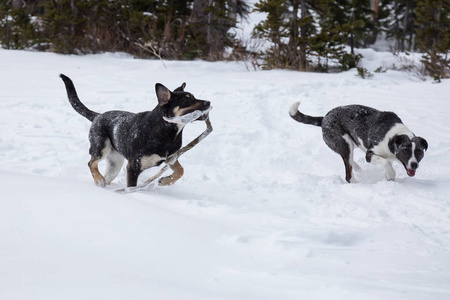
pixel 353 19
pixel 164 25
pixel 289 27
pixel 275 29
pixel 210 23
pixel 17 31
pixel 65 24
pixel 397 20
pixel 328 44
pixel 433 36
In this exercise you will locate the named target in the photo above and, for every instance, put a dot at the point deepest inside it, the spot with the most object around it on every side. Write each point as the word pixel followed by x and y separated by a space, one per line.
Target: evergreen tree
pixel 275 29
pixel 210 23
pixel 328 43
pixel 289 27
pixel 17 30
pixel 299 29
pixel 433 36
pixel 397 20
pixel 165 25
pixel 354 20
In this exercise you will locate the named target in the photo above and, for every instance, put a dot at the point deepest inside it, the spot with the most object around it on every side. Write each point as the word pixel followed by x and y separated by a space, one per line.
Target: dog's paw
pixel 390 174
pixel 165 181
pixel 353 180
pixel 100 182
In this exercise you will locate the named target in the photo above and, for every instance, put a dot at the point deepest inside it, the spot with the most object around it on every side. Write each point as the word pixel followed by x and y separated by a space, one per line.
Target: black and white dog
pixel 381 135
pixel 145 139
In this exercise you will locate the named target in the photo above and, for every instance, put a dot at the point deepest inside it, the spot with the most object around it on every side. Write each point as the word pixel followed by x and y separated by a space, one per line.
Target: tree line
pixel 304 35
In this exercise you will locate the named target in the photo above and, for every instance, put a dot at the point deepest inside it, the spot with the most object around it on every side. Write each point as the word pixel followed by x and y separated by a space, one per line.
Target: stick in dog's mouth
pixel 200 115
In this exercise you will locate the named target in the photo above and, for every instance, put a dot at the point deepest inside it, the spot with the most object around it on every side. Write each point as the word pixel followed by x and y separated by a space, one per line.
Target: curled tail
pixel 75 101
pixel 299 117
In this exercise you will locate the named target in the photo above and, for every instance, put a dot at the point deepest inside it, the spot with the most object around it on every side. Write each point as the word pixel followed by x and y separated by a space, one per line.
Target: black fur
pixel 380 134
pixel 145 139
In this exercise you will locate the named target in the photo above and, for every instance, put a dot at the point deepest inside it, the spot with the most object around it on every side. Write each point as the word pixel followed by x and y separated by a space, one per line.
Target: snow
pixel 263 210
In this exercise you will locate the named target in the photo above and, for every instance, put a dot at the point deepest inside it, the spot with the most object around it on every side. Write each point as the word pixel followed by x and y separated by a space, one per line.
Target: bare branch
pixel 148 46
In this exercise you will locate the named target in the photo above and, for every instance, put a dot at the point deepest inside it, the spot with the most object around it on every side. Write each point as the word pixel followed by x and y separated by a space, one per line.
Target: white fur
pixel 114 163
pixel 386 163
pixel 294 108
pixel 149 161
pixel 413 158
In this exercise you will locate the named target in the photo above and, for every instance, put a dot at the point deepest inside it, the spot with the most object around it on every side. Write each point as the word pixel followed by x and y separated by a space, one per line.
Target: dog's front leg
pixel 133 171
pixel 371 157
pixel 178 172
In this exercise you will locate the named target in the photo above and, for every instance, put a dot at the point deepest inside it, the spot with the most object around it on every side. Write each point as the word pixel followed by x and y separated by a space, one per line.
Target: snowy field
pixel 263 210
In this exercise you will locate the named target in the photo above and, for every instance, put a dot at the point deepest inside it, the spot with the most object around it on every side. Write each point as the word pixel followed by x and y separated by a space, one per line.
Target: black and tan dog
pixel 145 139
pixel 380 134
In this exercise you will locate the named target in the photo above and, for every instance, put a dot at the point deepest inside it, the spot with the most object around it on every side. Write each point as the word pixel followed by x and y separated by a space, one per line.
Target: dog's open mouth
pixel 410 172
pixel 197 115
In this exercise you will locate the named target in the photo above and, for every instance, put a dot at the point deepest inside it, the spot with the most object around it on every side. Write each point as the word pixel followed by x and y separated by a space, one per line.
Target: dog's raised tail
pixel 75 101
pixel 299 117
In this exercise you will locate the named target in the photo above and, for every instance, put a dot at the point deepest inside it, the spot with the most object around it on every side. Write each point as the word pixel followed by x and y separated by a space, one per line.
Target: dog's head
pixel 408 151
pixel 180 103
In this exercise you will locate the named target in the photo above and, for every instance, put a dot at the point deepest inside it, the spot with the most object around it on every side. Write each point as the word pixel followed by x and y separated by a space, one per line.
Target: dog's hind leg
pixel 348 170
pixel 98 177
pixel 343 145
pixel 351 146
pixel 99 150
pixel 178 172
pixel 114 163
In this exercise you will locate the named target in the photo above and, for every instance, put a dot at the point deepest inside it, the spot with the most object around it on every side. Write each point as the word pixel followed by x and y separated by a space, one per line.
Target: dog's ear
pixel 421 142
pixel 180 88
pixel 163 94
pixel 397 141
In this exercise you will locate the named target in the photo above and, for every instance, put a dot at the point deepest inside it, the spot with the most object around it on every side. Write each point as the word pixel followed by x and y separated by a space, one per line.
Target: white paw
pixel 390 174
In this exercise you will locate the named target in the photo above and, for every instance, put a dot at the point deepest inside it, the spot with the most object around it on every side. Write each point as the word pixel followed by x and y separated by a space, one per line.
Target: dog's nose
pixel 414 165
pixel 206 104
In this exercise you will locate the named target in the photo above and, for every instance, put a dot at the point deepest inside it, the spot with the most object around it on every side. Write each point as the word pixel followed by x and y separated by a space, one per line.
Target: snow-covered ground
pixel 263 210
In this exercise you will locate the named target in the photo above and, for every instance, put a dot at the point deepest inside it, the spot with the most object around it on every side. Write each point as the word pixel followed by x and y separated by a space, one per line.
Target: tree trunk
pixel 375 5
pixel 303 63
pixel 293 36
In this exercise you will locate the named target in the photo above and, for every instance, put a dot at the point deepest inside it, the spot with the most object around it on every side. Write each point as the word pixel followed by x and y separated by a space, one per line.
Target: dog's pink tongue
pixel 410 172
